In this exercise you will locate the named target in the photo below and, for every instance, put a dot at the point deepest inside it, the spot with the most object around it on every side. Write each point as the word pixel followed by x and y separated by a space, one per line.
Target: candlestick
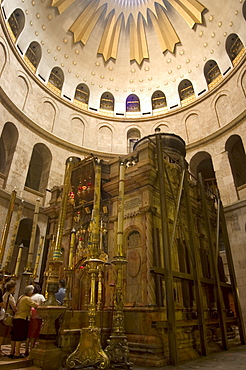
pixel 6 226
pixel 13 238
pixel 33 236
pixel 18 261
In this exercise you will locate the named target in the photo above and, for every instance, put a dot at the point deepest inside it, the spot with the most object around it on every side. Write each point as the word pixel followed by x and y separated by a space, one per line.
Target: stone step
pixel 22 363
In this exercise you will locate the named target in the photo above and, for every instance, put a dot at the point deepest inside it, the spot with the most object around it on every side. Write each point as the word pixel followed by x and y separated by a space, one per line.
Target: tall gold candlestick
pixel 90 336
pixel 56 261
pixel 33 236
pixel 117 349
pixel 18 261
pixel 13 238
pixel 6 226
pixel 40 248
pixel 63 208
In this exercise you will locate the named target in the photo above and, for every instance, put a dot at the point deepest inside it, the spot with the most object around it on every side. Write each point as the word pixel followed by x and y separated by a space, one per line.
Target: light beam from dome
pixel 117 15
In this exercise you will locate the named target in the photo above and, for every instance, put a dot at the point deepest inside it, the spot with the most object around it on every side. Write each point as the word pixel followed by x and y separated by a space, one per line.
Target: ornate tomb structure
pixel 160 285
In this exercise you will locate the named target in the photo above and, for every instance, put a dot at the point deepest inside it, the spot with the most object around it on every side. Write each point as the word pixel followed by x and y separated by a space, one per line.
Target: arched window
pixel 8 143
pixel 16 23
pixel 186 92
pixel 132 103
pixel 107 101
pixel 158 100
pixel 202 163
pixel 133 135
pixel 56 80
pixel 237 159
pixel 33 55
pixel 212 74
pixel 234 48
pixel 82 94
pixel 39 168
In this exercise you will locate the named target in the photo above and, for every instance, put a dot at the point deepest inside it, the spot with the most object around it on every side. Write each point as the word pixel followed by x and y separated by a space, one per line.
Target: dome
pixel 131 58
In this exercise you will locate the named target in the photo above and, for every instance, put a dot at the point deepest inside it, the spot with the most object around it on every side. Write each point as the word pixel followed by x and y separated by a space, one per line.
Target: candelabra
pixel 89 351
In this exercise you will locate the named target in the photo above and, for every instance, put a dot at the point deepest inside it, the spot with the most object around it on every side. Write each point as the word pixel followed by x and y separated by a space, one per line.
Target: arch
pixel 105 136
pixel 132 103
pixel 107 101
pixel 223 109
pixel 133 248
pixel 39 168
pixel 234 48
pixel 237 159
pixel 133 135
pixel 3 57
pixel 33 55
pixel 186 92
pixel 212 74
pixel 193 129
pixel 77 131
pixel 56 80
pixel 158 100
pixel 243 83
pixel 8 142
pixel 202 163
pixel 23 91
pixel 82 93
pixel 48 115
pixel 17 22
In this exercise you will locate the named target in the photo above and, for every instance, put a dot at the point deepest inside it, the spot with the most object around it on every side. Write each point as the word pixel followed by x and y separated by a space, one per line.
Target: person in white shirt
pixel 35 322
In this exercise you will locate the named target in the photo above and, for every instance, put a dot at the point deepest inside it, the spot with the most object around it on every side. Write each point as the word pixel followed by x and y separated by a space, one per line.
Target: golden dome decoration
pixel 135 14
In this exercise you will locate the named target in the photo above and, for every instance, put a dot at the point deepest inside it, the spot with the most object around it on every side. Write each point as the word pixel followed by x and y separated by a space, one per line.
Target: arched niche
pixel 186 92
pixel 23 90
pixel 158 100
pixel 243 83
pixel 8 142
pixel 133 135
pixel 39 168
pixel 107 101
pixel 16 22
pixel 134 257
pixel 3 57
pixel 236 155
pixel 193 127
pixel 234 48
pixel 223 109
pixel 56 80
pixel 48 115
pixel 212 74
pixel 33 55
pixel 202 163
pixel 82 94
pixel 105 136
pixel 132 103
pixel 77 131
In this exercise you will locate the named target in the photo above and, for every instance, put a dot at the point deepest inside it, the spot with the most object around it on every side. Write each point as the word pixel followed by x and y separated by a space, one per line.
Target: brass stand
pixel 89 351
pixel 117 348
